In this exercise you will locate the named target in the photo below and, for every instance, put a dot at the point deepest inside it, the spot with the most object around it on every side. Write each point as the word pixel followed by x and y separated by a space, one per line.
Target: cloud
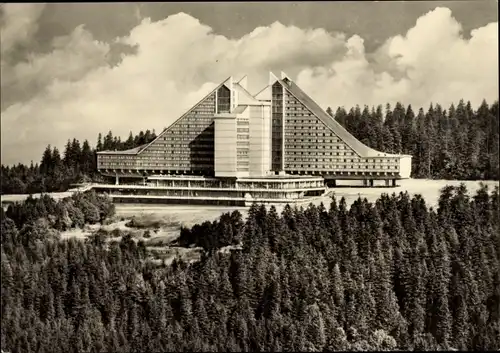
pixel 432 62
pixel 71 58
pixel 183 50
pixel 178 60
pixel 19 24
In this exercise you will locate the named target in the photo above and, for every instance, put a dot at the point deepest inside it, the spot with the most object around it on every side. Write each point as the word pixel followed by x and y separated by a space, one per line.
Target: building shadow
pixel 201 152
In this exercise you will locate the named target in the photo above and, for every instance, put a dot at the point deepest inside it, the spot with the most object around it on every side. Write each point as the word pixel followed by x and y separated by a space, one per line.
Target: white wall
pixel 405 167
pixel 260 135
pixel 225 146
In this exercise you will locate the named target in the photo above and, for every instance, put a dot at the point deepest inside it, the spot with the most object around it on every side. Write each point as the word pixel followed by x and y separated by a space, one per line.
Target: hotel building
pixel 234 147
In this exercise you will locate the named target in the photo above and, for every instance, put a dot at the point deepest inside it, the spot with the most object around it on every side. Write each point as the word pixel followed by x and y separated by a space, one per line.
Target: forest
pixel 457 143
pixel 56 172
pixel 395 274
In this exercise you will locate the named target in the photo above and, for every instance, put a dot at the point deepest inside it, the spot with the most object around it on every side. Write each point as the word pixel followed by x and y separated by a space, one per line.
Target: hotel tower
pixel 233 147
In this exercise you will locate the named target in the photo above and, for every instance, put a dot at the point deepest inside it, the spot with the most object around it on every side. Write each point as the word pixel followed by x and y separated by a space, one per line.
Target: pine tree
pixel 378 129
pixel 364 129
pixel 108 141
pixel 129 143
pixel 56 158
pixel 68 154
pixel 315 327
pixel 407 132
pixel 441 318
pixel 99 145
pixel 47 162
pixel 387 315
pixel 87 158
pixel 76 152
pixel 394 123
pixel 341 116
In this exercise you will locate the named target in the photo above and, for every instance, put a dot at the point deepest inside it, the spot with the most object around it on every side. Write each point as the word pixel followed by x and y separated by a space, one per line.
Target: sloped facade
pixel 233 134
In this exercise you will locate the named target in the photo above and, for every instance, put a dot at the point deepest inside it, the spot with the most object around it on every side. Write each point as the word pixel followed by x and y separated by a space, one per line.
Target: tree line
pixel 78 164
pixel 458 143
pixel 110 142
pixel 70 212
pixel 394 274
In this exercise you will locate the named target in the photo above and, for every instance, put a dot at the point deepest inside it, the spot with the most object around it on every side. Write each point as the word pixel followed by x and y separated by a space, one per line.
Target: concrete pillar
pixel 365 182
pixel 371 182
pixel 387 182
pixel 117 180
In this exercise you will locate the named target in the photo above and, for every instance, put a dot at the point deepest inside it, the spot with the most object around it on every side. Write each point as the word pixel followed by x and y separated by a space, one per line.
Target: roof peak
pixel 272 78
pixel 285 76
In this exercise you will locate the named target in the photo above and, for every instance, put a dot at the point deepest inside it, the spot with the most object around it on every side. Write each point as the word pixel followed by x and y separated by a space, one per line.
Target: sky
pixel 73 70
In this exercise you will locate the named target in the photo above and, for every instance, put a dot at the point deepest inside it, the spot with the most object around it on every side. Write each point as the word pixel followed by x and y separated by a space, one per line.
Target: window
pixel 223 100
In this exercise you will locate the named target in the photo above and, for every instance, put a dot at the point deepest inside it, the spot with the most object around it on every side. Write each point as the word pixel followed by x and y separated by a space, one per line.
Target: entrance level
pixel 269 187
pixel 196 189
pixel 364 183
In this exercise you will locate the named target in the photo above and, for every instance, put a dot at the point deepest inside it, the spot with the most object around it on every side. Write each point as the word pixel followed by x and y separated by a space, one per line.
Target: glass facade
pixel 177 188
pixel 223 100
pixel 277 127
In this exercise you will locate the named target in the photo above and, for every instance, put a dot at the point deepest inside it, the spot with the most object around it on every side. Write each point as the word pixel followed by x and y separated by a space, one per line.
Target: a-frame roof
pixel 229 79
pixel 264 94
pixel 244 97
pixel 359 147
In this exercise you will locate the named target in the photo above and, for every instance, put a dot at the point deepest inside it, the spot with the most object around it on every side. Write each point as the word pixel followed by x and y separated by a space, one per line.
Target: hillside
pixel 387 275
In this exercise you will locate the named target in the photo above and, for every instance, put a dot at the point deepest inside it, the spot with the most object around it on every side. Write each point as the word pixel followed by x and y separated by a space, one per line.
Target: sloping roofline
pixel 132 151
pixel 262 90
pixel 183 115
pixel 251 100
pixel 360 148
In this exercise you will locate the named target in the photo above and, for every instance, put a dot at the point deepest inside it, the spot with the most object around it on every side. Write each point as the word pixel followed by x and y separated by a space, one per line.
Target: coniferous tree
pixel 99 146
pixel 421 280
pixel 341 116
pixel 47 161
